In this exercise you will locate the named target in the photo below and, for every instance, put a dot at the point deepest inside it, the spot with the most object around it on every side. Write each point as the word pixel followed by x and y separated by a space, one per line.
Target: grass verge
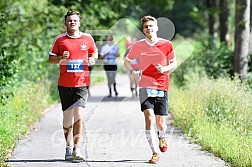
pixel 20 112
pixel 217 114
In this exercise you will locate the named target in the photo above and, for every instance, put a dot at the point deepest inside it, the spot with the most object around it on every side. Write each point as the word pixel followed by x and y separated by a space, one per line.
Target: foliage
pixel 217 62
pixel 219 119
pixel 22 52
pixel 8 59
pixel 33 47
pixel 106 13
pixel 96 14
pixel 189 13
pixel 188 67
pixel 214 62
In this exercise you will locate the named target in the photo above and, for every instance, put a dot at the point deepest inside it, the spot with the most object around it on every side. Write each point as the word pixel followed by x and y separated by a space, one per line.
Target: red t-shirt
pixel 149 56
pixel 74 72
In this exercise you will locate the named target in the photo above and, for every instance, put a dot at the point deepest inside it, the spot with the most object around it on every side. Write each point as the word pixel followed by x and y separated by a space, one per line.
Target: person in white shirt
pixel 109 53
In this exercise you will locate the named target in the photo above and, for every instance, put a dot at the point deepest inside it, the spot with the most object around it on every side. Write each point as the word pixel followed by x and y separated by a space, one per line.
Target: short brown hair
pixel 148 18
pixel 70 12
pixel 110 36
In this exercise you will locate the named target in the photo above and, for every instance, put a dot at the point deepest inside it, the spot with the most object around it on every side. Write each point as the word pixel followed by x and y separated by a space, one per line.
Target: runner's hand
pixel 159 68
pixel 136 75
pixel 91 60
pixel 65 55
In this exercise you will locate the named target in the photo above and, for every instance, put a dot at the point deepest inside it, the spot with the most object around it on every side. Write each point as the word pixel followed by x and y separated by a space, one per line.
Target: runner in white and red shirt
pixel 74 51
pixel 156 58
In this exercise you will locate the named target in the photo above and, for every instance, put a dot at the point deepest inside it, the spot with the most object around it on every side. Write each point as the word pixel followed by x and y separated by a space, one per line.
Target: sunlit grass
pixel 218 115
pixel 17 116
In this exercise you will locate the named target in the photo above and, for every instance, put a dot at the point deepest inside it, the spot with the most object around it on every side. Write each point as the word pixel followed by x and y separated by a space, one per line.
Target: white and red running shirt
pixel 149 55
pixel 74 71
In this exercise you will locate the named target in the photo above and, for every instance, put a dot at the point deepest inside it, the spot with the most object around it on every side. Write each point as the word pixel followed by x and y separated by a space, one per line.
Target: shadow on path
pixel 120 161
pixel 112 99
pixel 36 160
pixel 62 160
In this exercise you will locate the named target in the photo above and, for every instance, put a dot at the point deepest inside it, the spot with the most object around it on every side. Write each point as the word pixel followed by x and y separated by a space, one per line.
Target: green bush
pixel 217 62
pixel 214 61
pixel 8 60
pixel 26 34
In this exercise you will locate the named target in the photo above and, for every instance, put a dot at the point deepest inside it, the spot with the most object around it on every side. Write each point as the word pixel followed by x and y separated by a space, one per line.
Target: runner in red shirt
pixel 74 51
pixel 156 58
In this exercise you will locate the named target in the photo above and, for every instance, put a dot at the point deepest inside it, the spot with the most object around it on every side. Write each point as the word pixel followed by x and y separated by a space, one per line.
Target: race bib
pixel 75 65
pixel 154 93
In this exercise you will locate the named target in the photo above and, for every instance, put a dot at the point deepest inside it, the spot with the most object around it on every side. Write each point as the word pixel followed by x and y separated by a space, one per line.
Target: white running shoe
pixel 68 155
pixel 77 155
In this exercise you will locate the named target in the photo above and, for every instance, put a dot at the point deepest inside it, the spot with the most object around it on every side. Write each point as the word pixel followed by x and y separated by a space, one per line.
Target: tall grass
pixel 17 116
pixel 218 115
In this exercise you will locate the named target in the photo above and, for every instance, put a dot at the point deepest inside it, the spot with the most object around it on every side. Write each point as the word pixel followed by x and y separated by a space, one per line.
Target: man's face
pixel 110 40
pixel 72 23
pixel 150 28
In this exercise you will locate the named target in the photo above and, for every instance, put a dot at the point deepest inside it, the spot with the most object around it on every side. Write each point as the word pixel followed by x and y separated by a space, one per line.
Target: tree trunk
pixel 250 39
pixel 242 34
pixel 211 5
pixel 223 19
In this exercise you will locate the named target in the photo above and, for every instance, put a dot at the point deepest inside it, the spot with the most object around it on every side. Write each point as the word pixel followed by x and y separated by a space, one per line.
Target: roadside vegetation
pixel 19 113
pixel 216 112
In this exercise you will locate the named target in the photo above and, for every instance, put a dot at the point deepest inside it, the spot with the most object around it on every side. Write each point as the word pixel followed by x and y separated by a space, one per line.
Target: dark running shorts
pixel 108 67
pixel 72 97
pixel 158 104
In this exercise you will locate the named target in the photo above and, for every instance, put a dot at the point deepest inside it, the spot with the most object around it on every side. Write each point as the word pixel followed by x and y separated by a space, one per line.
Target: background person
pixel 135 66
pixel 110 53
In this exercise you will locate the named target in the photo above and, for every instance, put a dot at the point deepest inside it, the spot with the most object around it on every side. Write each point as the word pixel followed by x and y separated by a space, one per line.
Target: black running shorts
pixel 72 97
pixel 158 104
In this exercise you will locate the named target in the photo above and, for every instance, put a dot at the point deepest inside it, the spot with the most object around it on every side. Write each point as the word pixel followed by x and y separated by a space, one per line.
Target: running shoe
pixel 163 144
pixel 154 159
pixel 77 155
pixel 69 151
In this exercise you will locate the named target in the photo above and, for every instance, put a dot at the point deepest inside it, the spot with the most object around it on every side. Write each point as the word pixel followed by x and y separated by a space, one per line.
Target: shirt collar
pixel 151 43
pixel 79 35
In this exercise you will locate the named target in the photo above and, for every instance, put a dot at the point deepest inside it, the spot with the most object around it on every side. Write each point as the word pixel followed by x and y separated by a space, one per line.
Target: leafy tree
pixel 188 17
pixel 26 36
pixel 8 58
pixel 35 27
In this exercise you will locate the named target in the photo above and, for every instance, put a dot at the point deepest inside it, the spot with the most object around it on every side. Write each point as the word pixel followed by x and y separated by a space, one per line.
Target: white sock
pixel 71 147
pixel 161 133
pixel 151 137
